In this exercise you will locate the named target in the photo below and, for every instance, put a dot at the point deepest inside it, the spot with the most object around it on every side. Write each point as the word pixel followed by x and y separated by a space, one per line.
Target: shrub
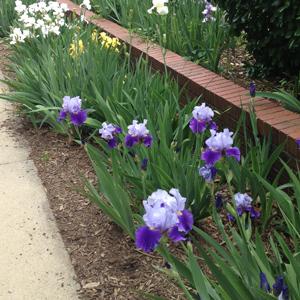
pixel 272 29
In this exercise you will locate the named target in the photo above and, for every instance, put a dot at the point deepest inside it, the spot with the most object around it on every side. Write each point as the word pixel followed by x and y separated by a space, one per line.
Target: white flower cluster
pixel 38 18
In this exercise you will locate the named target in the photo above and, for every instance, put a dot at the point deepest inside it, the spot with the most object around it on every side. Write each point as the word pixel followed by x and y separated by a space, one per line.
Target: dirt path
pixel 34 264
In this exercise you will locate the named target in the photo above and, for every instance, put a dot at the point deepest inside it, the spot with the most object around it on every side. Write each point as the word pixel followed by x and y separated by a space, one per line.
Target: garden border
pixel 218 92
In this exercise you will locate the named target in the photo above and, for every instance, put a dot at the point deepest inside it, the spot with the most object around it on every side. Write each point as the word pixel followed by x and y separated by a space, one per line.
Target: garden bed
pixel 217 91
pixel 105 260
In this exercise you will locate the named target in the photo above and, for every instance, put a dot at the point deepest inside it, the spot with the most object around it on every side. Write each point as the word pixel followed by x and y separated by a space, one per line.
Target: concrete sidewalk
pixel 34 264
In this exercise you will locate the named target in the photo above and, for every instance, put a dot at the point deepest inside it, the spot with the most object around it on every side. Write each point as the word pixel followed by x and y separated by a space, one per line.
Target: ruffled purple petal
pixel 118 130
pixel 175 235
pixel 147 140
pixel 211 157
pixel 147 239
pixel 230 217
pixel 254 214
pixel 197 126
pixel 298 143
pixel 112 143
pixel 62 115
pixel 234 152
pixel 186 221
pixel 213 126
pixel 78 118
pixel 130 140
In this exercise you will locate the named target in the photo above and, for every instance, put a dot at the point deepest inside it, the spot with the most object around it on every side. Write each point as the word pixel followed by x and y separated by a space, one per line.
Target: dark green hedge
pixel 272 29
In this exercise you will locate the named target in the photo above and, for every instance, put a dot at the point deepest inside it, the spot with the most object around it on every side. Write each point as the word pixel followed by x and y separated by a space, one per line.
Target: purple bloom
pixel 298 143
pixel 280 289
pixel 138 133
pixel 108 132
pixel 202 115
pixel 219 145
pixel 230 217
pixel 164 213
pixel 208 12
pixel 208 173
pixel 264 284
pixel 252 89
pixel 147 239
pixel 72 107
pixel 219 201
pixel 144 164
pixel 243 204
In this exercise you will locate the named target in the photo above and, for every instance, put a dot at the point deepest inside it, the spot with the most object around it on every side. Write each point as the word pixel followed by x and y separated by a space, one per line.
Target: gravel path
pixel 34 264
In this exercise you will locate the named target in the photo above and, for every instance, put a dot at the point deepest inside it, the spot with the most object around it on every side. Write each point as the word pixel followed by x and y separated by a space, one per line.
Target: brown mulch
pixel 105 260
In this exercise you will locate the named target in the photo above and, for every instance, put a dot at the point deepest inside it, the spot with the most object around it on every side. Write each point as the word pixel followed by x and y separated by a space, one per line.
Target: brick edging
pixel 217 91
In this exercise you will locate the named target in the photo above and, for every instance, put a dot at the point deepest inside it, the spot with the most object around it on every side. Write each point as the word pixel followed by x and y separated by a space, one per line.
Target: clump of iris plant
pixel 280 289
pixel 219 145
pixel 165 214
pixel 72 107
pixel 208 12
pixel 202 118
pixel 109 133
pixel 243 204
pixel 138 133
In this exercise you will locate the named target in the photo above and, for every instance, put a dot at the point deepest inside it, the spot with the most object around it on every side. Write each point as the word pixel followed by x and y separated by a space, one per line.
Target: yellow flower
pixel 76 48
pixel 109 42
pixel 95 35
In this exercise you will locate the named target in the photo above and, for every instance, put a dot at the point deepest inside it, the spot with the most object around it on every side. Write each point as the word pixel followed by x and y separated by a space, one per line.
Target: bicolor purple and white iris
pixel 243 204
pixel 165 213
pixel 72 107
pixel 138 133
pixel 219 145
pixel 208 173
pixel 109 133
pixel 208 12
pixel 202 118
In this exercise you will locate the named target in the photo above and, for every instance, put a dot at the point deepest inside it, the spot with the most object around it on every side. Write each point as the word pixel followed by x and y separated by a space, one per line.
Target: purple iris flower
pixel 264 284
pixel 243 203
pixel 219 145
pixel 252 89
pixel 109 133
pixel 208 173
pixel 164 213
pixel 230 217
pixel 138 133
pixel 208 12
pixel 202 116
pixel 298 143
pixel 280 289
pixel 72 107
